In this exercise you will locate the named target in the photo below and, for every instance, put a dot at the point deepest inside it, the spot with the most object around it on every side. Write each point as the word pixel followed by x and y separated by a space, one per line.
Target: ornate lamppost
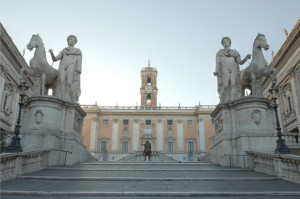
pixel 281 147
pixel 15 145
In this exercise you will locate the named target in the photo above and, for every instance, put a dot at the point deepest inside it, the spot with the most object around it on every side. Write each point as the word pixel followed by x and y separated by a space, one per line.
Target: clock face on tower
pixel 148 88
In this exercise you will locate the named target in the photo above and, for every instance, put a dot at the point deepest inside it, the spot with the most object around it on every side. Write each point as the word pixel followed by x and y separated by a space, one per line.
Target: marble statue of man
pixel 228 71
pixel 68 80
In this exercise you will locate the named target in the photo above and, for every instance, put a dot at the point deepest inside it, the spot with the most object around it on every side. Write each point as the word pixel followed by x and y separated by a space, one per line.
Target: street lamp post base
pixel 15 145
pixel 281 147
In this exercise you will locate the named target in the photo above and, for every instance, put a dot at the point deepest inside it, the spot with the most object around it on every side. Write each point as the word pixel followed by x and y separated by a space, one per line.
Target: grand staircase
pixel 111 180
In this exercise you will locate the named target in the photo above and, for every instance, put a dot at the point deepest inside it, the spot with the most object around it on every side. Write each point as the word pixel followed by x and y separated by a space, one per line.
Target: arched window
pixel 149 80
pixel 148 101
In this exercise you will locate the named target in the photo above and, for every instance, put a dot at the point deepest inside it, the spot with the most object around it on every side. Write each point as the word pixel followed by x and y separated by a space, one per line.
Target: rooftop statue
pixel 68 81
pixel 251 77
pixel 39 67
pixel 228 71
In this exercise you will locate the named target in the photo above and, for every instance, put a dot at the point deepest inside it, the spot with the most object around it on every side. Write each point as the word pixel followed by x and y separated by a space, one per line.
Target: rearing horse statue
pixel 251 77
pixel 39 66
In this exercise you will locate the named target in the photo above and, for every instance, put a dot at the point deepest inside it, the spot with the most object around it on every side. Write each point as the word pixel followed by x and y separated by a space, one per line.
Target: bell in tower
pixel 148 88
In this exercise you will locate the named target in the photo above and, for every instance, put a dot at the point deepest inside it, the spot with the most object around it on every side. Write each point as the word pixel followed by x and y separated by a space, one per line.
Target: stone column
pixel 201 136
pixel 180 144
pixel 2 81
pixel 94 135
pixel 115 136
pixel 160 136
pixel 135 136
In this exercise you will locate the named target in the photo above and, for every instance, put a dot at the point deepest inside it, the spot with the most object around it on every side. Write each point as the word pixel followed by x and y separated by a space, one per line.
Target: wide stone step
pixel 143 166
pixel 147 180
pixel 118 186
pixel 149 173
pixel 150 195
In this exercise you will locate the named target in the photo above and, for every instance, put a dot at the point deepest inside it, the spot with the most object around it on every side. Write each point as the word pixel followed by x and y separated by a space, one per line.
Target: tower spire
pixel 149 63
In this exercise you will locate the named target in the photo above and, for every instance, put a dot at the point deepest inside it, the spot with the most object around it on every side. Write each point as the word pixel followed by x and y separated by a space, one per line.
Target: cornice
pixel 8 43
pixel 291 42
pixel 12 53
pixel 286 46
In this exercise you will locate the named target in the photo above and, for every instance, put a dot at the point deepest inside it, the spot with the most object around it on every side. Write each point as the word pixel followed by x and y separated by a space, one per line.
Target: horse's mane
pixel 39 39
pixel 259 36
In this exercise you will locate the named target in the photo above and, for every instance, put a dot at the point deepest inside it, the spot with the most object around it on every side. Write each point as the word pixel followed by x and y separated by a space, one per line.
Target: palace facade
pixel 11 63
pixel 113 133
pixel 287 64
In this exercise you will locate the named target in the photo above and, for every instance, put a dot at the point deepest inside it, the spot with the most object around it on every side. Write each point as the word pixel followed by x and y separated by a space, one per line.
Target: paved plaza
pixel 113 180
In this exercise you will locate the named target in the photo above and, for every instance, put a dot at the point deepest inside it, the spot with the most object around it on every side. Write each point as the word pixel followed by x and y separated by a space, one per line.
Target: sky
pixel 179 37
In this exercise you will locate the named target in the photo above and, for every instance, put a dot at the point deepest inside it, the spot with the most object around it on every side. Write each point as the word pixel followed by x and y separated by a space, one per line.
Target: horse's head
pixel 34 42
pixel 261 42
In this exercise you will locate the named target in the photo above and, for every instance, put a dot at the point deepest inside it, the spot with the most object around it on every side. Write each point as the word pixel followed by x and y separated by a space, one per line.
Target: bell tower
pixel 148 88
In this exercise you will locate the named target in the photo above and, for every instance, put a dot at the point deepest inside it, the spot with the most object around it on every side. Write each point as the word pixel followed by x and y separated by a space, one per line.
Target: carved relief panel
pixel 219 125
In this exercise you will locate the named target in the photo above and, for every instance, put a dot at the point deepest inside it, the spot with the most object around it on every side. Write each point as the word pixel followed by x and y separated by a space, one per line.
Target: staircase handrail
pixel 128 156
pixel 162 154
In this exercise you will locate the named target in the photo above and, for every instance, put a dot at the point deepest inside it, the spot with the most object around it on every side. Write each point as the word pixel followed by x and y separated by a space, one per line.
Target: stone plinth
pixel 53 124
pixel 246 124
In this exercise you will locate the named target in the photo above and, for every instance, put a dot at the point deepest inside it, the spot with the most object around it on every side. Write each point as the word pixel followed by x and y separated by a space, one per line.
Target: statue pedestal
pixel 51 123
pixel 246 124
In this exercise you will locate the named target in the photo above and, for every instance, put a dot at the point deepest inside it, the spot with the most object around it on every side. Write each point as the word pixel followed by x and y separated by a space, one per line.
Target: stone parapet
pixel 14 164
pixel 285 166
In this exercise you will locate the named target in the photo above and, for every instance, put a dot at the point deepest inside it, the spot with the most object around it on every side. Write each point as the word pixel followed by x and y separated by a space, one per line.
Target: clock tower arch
pixel 148 88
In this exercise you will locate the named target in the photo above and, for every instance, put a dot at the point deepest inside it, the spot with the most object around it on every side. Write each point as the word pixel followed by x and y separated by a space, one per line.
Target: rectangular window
pixel 105 122
pixel 212 121
pixel 125 146
pixel 170 147
pixel 104 146
pixel 189 122
pixel 191 146
pixel 4 103
pixel 125 122
pixel 148 122
pixel 170 122
pixel 289 104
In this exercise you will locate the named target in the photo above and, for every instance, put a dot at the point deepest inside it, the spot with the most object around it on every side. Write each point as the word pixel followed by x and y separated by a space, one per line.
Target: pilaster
pixel 180 140
pixel 135 136
pixel 201 135
pixel 115 135
pixel 160 136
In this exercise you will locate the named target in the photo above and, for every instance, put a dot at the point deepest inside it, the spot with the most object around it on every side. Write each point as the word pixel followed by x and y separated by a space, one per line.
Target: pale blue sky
pixel 180 37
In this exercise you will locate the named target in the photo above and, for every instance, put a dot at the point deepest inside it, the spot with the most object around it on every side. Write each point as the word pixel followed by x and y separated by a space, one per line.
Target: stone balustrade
pixel 154 108
pixel 292 139
pixel 285 166
pixel 13 164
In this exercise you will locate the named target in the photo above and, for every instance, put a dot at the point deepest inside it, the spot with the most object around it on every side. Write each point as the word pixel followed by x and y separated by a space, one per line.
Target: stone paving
pixel 147 180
